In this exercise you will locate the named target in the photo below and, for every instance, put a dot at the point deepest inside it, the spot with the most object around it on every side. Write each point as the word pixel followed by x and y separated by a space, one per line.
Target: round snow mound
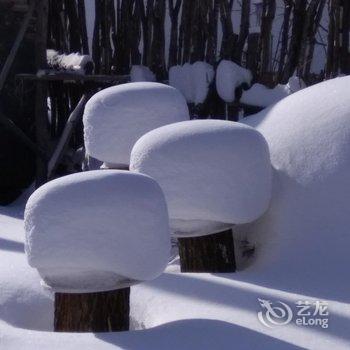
pixel 98 230
pixel 213 173
pixel 309 138
pixel 116 117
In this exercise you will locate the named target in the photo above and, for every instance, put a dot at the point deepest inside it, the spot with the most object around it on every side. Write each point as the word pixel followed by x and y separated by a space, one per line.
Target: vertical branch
pixel 174 17
pixel 41 129
pixel 212 32
pixel 96 46
pixel 228 37
pixel 288 5
pixel 268 15
pixel 244 30
pixel 186 28
pixel 312 21
pixel 136 33
pixel 345 30
pixel 73 26
pixel 299 11
pixel 200 30
pixel 83 29
pixel 158 40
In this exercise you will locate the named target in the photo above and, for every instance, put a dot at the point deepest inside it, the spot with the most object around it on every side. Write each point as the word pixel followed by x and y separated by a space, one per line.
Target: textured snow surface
pixel 116 117
pixel 179 311
pixel 230 76
pixel 211 171
pixel 140 73
pixel 92 231
pixel 309 138
pixel 262 96
pixel 192 80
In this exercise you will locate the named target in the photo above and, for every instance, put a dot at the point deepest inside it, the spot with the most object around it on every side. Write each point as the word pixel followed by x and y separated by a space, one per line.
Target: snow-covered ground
pixel 292 293
pixel 176 311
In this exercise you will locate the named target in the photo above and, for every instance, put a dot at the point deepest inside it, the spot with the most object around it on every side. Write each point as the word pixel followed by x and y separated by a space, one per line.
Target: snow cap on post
pixel 230 76
pixel 116 117
pixel 97 231
pixel 214 173
pixel 192 80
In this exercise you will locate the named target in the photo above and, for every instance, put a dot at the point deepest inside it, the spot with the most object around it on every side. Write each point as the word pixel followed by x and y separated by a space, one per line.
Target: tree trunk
pixel 228 36
pixel 345 54
pixel 212 253
pixel 212 43
pixel 41 121
pixel 243 32
pixel 296 38
pixel 174 17
pixel 312 19
pixel 268 15
pixel 92 312
pixel 83 29
pixel 284 38
pixel 158 40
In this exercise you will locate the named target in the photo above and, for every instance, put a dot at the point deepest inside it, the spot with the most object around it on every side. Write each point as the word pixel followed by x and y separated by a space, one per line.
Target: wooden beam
pixel 21 136
pixel 73 77
pixel 61 147
pixel 12 55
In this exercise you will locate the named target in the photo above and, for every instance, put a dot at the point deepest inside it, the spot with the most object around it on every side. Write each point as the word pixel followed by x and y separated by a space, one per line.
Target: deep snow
pixel 301 254
pixel 175 311
pixel 309 138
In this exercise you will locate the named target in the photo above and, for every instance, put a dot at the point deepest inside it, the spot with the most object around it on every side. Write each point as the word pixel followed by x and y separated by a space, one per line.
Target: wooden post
pixel 92 312
pixel 211 253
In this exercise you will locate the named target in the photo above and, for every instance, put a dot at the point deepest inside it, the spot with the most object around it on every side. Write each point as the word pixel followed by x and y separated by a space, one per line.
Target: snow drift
pixel 214 173
pixel 262 96
pixel 309 138
pixel 98 230
pixel 115 118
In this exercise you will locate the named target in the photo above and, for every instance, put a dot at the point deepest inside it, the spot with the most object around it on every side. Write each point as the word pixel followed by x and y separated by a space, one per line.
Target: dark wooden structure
pixel 213 253
pixel 92 312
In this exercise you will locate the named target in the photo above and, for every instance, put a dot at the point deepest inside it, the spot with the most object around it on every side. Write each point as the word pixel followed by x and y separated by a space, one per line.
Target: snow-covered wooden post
pixel 231 80
pixel 116 117
pixel 214 174
pixel 91 236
